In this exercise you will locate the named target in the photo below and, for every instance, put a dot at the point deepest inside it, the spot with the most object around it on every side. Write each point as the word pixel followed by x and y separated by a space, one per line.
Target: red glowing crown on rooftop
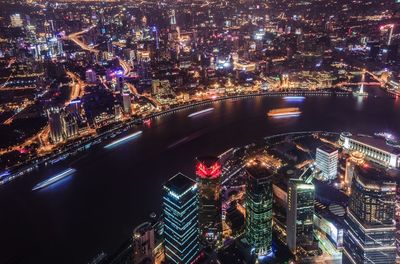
pixel 208 167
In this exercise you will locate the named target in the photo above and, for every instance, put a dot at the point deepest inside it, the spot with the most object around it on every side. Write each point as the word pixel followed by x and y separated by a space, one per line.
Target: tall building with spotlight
pixel 370 229
pixel 300 215
pixel 180 210
pixel 258 202
pixel 326 160
pixel 208 172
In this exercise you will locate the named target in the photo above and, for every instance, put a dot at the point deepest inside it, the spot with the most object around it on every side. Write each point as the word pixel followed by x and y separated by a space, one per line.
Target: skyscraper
pixel 69 123
pixel 326 161
pixel 300 225
pixel 126 102
pixel 180 209
pixel 208 171
pixel 55 124
pixel 173 20
pixel 370 227
pixel 258 202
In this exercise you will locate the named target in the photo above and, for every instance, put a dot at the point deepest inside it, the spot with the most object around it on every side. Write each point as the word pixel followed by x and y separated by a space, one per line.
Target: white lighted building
pixel 326 161
pixel 375 149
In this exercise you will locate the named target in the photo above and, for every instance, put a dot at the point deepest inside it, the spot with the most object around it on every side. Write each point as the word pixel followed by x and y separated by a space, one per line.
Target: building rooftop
pixel 179 183
pixel 327 149
pixel 259 170
pixel 376 142
pixel 370 174
pixel 208 167
pixel 207 161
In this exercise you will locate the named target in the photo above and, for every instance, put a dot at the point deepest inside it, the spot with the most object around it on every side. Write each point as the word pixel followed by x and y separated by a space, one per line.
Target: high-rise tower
pixel 370 228
pixel 208 172
pixel 180 210
pixel 300 224
pixel 258 203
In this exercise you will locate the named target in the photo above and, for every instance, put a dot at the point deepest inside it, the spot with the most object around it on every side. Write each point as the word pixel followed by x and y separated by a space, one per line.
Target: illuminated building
pixel 285 80
pixel 356 158
pixel 126 102
pixel 244 66
pixel 69 125
pixel 370 228
pixel 55 124
pixel 397 212
pixel 208 172
pixel 90 76
pixel 300 225
pixel 328 225
pixel 155 85
pixel 16 21
pixel 119 81
pixel 390 28
pixel 375 149
pixel 326 161
pixel 258 203
pixel 143 243
pixel 180 210
pixel 49 29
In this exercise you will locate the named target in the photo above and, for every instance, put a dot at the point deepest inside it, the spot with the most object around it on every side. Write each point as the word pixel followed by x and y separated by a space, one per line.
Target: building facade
pixel 326 159
pixel 376 149
pixel 300 225
pixel 370 229
pixel 208 172
pixel 258 202
pixel 180 211
pixel 143 243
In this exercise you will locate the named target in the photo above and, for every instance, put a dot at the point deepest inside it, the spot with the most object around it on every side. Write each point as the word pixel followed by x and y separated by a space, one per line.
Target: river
pixel 115 189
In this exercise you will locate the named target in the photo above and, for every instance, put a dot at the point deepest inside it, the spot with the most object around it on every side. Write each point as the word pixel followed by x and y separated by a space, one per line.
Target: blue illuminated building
pixel 181 229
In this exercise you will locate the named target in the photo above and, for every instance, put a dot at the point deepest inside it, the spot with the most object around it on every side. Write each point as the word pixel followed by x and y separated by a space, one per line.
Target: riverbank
pixel 84 145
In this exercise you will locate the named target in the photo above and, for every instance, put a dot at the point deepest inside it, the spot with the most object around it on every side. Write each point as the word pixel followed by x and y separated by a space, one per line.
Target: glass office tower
pixel 300 216
pixel 369 224
pixel 180 209
pixel 258 201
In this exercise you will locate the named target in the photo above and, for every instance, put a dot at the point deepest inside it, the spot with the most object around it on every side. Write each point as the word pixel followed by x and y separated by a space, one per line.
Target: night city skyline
pixel 195 132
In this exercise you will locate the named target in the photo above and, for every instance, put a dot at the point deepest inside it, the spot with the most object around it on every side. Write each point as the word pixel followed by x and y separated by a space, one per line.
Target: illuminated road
pixel 10 63
pixel 132 88
pixel 75 37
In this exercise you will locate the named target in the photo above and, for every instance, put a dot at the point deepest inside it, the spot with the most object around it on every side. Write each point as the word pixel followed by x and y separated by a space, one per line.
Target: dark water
pixel 114 190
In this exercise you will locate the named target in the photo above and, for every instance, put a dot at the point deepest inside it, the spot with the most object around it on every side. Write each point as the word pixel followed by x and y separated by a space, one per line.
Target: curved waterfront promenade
pixel 86 144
